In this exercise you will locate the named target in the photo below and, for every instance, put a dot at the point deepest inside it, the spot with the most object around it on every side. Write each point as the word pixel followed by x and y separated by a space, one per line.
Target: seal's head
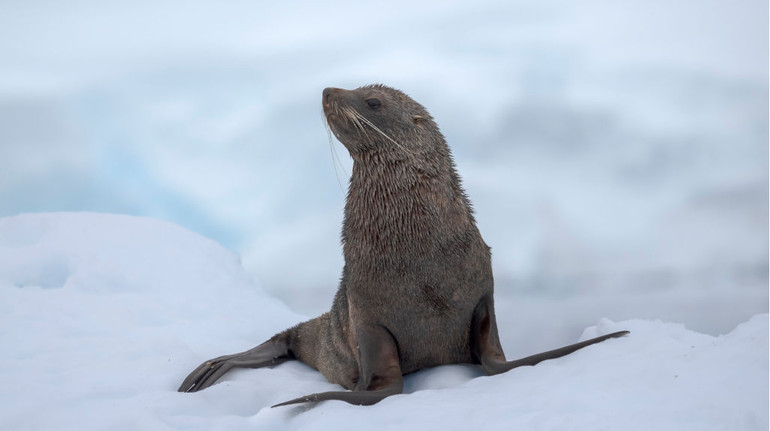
pixel 376 118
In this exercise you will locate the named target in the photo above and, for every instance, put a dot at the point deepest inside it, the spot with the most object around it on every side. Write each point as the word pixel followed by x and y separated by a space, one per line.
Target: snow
pixel 102 316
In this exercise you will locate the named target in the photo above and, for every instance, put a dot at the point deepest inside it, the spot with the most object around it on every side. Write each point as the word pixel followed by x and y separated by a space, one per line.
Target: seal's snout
pixel 327 94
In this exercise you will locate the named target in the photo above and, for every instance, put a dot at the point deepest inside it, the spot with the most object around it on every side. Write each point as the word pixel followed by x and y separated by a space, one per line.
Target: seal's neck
pixel 402 204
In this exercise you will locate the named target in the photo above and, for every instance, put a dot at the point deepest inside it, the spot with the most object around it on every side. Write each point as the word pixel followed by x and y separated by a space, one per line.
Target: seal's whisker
pixel 358 117
pixel 362 131
pixel 335 157
pixel 353 116
pixel 377 129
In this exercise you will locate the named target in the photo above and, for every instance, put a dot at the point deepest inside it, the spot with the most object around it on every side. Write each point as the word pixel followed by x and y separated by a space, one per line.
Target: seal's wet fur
pixel 417 287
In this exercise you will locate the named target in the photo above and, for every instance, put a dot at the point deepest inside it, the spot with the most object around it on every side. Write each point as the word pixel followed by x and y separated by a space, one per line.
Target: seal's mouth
pixel 336 115
pixel 328 99
pixel 327 94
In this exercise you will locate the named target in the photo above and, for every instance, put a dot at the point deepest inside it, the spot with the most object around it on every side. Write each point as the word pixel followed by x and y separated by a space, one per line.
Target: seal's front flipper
pixel 379 371
pixel 486 349
pixel 271 352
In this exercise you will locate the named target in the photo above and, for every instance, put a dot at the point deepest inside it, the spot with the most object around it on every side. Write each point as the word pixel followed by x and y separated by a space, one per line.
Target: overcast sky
pixel 586 131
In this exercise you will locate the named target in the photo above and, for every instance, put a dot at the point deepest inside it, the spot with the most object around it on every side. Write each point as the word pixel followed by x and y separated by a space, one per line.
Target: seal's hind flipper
pixel 492 366
pixel 486 349
pixel 271 352
pixel 360 398
pixel 379 371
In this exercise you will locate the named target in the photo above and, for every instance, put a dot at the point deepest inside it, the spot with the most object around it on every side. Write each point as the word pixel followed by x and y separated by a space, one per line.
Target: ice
pixel 137 303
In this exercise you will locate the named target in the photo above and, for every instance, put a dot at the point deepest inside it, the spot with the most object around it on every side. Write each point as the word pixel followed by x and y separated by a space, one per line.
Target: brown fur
pixel 416 289
pixel 415 262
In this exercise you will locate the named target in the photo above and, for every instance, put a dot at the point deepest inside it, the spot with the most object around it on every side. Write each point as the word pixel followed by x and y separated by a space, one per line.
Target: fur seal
pixel 416 288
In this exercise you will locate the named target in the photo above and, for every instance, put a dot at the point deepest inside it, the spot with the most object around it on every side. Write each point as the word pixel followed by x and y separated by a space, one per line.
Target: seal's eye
pixel 374 103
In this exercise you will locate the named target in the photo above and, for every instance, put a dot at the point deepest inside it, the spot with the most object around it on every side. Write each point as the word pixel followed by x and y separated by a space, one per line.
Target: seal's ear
pixel 418 119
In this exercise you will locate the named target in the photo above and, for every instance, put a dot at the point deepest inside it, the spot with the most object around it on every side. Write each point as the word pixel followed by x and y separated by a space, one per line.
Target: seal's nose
pixel 328 91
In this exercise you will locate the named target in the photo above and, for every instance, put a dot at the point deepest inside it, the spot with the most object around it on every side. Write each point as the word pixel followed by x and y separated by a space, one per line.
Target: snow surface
pixel 102 316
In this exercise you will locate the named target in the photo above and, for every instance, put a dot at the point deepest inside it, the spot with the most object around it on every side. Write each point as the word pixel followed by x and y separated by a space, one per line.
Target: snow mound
pixel 103 315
